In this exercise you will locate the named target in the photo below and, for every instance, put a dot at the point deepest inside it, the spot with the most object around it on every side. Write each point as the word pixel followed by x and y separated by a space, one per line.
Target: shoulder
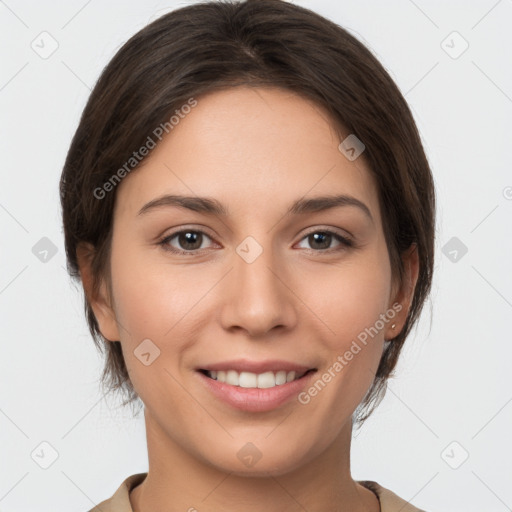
pixel 120 500
pixel 389 501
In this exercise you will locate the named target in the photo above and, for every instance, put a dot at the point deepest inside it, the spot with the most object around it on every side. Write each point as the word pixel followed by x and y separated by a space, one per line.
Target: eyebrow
pixel 209 205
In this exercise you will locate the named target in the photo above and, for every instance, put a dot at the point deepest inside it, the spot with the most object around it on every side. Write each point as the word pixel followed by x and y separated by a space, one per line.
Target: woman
pixel 249 208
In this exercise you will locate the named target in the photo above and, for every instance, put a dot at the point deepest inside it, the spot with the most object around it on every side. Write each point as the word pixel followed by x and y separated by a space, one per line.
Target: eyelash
pixel 345 243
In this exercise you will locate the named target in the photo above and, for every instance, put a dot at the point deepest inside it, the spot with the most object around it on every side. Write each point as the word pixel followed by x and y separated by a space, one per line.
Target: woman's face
pixel 254 284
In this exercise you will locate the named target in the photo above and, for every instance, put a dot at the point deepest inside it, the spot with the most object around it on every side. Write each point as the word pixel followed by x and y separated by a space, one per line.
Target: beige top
pixel 120 501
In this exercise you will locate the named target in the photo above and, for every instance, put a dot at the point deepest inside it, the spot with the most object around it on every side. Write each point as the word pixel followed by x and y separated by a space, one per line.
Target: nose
pixel 258 296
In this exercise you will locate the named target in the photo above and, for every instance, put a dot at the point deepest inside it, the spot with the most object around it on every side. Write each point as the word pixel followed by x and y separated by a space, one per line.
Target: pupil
pixel 323 238
pixel 190 238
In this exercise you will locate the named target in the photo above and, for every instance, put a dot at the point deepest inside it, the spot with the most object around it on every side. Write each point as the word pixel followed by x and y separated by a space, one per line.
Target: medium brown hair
pixel 216 45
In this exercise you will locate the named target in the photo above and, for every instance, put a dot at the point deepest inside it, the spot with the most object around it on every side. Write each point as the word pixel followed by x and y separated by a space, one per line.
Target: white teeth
pixel 253 380
pixel 267 380
pixel 280 377
pixel 246 380
pixel 232 377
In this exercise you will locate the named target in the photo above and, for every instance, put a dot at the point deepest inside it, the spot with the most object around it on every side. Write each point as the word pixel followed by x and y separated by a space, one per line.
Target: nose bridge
pixel 259 300
pixel 253 266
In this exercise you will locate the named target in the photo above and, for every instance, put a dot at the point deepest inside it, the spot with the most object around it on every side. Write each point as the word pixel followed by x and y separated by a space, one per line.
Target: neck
pixel 178 481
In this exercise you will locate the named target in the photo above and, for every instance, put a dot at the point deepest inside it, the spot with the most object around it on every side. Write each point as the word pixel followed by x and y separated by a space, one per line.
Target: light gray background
pixel 454 380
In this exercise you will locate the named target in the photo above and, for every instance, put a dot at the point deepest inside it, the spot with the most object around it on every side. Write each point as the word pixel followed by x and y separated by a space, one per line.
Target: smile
pixel 253 380
pixel 255 392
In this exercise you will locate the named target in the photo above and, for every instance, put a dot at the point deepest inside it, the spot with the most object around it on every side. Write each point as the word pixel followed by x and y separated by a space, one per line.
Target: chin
pixel 251 462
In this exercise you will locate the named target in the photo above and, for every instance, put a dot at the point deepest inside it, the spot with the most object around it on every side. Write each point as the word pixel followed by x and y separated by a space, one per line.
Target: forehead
pixel 253 149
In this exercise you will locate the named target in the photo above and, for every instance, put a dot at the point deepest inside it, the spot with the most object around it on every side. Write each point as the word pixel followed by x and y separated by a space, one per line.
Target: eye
pixel 188 241
pixel 322 239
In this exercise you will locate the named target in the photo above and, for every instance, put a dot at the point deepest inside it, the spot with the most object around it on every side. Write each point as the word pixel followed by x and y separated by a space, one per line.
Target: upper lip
pixel 246 365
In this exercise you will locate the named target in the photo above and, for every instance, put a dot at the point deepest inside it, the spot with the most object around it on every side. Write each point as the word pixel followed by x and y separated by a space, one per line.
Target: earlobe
pixel 99 300
pixel 402 299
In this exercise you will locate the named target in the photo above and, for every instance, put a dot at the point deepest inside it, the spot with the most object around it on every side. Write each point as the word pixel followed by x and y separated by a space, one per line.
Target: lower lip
pixel 255 399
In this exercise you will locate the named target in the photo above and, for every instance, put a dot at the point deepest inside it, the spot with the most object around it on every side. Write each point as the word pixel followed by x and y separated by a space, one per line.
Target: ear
pixel 100 301
pixel 403 293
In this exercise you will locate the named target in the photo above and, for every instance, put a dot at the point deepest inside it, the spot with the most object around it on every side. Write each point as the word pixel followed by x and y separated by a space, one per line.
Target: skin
pixel 256 151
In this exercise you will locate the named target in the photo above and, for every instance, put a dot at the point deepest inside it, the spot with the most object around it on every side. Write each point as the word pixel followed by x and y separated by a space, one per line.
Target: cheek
pixel 351 299
pixel 150 305
pixel 351 303
pixel 161 302
pixel 351 308
pixel 152 298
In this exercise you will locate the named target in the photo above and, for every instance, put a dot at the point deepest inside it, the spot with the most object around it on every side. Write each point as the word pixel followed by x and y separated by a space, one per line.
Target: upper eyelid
pixel 336 231
pixel 185 229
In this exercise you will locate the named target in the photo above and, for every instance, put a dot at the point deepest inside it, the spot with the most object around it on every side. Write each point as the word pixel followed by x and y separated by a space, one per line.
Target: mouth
pixel 253 392
pixel 255 385
pixel 250 380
